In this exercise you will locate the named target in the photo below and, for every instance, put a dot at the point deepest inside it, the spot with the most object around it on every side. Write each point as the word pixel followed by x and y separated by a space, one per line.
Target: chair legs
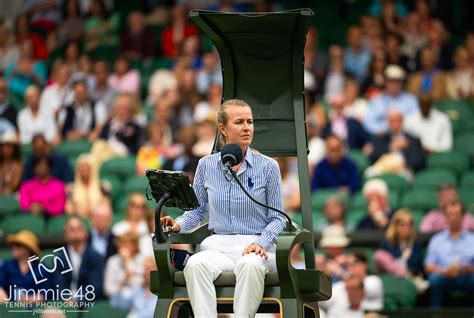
pixel 290 307
pixel 162 308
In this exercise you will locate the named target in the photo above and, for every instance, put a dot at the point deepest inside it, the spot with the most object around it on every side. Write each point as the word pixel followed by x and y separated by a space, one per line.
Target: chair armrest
pixel 195 236
pixel 166 270
pixel 314 284
pixel 285 243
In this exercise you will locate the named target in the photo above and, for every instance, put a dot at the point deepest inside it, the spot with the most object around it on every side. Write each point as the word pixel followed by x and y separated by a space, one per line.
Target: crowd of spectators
pixel 144 84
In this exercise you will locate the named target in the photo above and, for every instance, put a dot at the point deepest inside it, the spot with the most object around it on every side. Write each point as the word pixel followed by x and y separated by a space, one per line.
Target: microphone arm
pixel 289 224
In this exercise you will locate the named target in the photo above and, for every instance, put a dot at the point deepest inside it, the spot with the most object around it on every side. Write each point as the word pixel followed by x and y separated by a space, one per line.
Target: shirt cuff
pixel 263 243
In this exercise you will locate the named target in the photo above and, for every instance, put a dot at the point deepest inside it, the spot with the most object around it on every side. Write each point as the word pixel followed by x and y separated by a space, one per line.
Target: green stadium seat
pixel 420 199
pixel 318 218
pixel 360 160
pixel 104 52
pixel 399 292
pixel 359 201
pixel 319 197
pixel 123 168
pixel 26 151
pixel 23 221
pixel 16 101
pixel 5 253
pixel 456 161
pixel 394 182
pixel 9 205
pixel 467 180
pixel 467 198
pixel 457 110
pixel 136 184
pixel 296 218
pixel 464 142
pixel 432 178
pixel 353 217
pixel 117 217
pixel 55 225
pixel 136 64
pixel 74 148
pixel 468 126
pixel 113 185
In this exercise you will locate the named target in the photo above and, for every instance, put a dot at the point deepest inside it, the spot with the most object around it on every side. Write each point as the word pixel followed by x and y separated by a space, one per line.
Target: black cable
pixel 289 223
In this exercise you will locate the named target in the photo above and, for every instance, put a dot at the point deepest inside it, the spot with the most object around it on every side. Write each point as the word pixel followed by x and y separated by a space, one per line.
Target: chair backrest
pixel 433 178
pixel 262 63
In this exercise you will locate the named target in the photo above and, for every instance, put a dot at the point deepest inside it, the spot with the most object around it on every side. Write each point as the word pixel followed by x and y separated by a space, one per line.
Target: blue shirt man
pixel 356 56
pixel 392 98
pixel 449 260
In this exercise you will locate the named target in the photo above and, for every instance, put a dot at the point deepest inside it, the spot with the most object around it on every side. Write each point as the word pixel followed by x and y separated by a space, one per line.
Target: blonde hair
pixel 222 114
pixel 86 195
pixel 391 231
pixel 130 237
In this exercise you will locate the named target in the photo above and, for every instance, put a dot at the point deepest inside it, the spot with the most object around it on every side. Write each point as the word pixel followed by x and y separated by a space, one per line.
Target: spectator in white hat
pixel 393 97
pixel 378 208
pixel 335 260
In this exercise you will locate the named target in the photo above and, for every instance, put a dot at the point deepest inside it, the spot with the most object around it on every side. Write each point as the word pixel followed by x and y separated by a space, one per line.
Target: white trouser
pixel 223 253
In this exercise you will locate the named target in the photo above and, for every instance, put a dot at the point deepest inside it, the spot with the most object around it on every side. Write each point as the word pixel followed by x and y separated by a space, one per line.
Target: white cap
pixel 334 236
pixel 394 72
pixel 375 185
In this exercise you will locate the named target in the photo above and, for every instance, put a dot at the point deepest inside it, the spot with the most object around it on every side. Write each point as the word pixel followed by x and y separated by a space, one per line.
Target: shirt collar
pixel 96 234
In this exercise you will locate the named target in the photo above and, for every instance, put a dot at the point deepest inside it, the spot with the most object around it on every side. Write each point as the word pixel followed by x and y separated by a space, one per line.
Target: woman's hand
pixel 169 221
pixel 257 249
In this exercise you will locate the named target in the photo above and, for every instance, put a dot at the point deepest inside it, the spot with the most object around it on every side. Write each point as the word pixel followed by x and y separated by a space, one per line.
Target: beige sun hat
pixel 27 239
pixel 394 72
pixel 334 236
pixel 9 138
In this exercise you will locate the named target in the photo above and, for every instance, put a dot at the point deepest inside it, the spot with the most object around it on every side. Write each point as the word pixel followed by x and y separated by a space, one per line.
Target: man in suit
pixel 101 238
pixel 87 264
pixel 397 141
pixel 347 128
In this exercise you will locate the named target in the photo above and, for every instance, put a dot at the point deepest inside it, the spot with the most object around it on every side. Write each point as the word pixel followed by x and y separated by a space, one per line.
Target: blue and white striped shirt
pixel 230 210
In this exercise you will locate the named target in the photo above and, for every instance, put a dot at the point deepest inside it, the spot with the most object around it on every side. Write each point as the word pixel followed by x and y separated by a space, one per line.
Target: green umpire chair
pixel 262 63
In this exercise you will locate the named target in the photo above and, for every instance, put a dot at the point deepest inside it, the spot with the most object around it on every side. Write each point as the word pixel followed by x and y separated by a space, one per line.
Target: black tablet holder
pixel 172 189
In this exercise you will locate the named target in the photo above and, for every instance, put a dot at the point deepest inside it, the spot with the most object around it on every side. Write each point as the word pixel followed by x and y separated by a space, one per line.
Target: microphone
pixel 231 154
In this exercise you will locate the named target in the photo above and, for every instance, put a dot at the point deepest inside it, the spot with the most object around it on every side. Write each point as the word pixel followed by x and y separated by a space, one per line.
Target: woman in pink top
pixel 43 195
pixel 124 80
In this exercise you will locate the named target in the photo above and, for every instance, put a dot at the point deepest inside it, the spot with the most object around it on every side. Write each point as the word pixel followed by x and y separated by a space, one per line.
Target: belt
pixel 213 232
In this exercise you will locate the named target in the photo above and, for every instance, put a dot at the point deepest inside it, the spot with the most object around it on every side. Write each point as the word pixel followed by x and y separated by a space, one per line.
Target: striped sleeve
pixel 274 194
pixel 191 219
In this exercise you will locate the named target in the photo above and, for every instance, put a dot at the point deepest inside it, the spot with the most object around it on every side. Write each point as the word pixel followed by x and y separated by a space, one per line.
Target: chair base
pixel 287 308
